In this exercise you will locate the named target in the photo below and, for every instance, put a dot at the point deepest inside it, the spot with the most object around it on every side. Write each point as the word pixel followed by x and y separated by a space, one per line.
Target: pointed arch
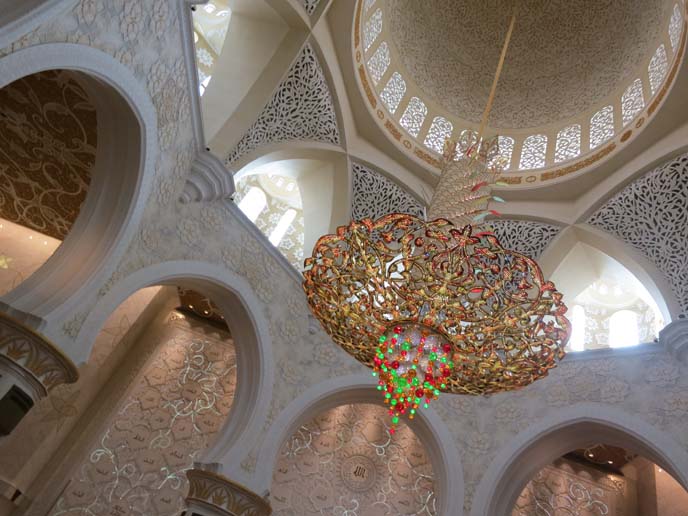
pixel 357 388
pixel 564 430
pixel 243 312
pixel 124 168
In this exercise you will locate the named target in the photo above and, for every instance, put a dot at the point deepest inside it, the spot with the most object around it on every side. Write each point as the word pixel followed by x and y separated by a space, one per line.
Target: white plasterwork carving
pixel 301 109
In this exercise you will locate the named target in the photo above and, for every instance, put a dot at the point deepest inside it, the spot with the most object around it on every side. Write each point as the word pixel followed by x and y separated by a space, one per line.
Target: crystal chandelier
pixel 431 306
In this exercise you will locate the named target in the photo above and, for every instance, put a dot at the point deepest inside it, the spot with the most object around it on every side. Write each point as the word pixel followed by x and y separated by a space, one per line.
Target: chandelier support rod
pixel 500 65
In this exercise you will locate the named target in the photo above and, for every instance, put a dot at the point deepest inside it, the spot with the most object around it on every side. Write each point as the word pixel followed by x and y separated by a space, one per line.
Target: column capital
pixel 32 356
pixel 220 496
pixel 674 338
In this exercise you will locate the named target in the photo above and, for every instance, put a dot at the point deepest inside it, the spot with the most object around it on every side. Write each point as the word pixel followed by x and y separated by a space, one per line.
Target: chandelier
pixel 432 306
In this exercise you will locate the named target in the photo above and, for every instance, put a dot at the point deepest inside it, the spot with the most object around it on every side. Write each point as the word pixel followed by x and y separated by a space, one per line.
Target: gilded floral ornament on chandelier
pixel 433 307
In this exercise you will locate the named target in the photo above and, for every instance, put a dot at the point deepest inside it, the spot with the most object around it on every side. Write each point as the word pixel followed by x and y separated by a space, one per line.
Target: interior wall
pixel 22 252
pixel 163 411
pixel 249 46
pixel 27 450
pixel 48 141
pixel 344 461
pixel 672 499
pixel 568 487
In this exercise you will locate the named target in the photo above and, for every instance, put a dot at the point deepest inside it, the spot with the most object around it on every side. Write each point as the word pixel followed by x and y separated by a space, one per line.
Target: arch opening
pixel 335 397
pixel 581 427
pixel 346 459
pixel 302 200
pixel 601 479
pixel 610 306
pixel 80 172
pixel 165 370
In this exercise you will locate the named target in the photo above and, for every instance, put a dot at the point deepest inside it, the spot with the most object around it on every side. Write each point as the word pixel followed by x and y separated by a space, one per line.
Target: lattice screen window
pixel 280 221
pixel 675 25
pixel 379 62
pixel 393 92
pixel 438 133
pixel 568 143
pixel 414 116
pixel 650 215
pixel 534 151
pixel 372 29
pixel 601 126
pixel 375 196
pixel 528 237
pixel 632 101
pixel 657 69
pixel 506 150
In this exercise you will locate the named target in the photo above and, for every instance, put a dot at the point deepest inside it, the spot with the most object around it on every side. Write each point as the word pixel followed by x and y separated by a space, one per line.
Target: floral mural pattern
pixel 48 140
pixel 176 405
pixel 566 488
pixel 345 463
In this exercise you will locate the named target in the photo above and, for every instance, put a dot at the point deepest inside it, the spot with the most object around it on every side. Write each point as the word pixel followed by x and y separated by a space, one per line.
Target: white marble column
pixel 30 366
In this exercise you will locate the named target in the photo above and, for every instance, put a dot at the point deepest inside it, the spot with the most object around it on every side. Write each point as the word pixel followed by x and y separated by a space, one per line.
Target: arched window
pixel 413 116
pixel 253 203
pixel 211 23
pixel 379 62
pixel 632 101
pixel 282 226
pixel 577 342
pixel 601 126
pixel 393 92
pixel 657 68
pixel 372 30
pixel 534 151
pixel 675 27
pixel 440 130
pixel 623 329
pixel 568 143
pixel 506 150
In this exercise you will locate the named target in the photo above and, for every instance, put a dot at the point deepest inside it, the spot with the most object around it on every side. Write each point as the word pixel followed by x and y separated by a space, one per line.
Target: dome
pixel 563 59
pixel 577 75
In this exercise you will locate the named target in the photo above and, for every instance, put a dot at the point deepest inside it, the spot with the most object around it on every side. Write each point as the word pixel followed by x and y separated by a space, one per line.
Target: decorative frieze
pixel 35 355
pixel 211 491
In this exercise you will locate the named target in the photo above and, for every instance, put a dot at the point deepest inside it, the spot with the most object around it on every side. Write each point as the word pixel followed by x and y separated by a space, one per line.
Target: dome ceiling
pixel 564 57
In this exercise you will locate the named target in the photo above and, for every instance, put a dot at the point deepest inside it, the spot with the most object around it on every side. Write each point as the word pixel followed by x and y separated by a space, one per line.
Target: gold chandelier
pixel 431 306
